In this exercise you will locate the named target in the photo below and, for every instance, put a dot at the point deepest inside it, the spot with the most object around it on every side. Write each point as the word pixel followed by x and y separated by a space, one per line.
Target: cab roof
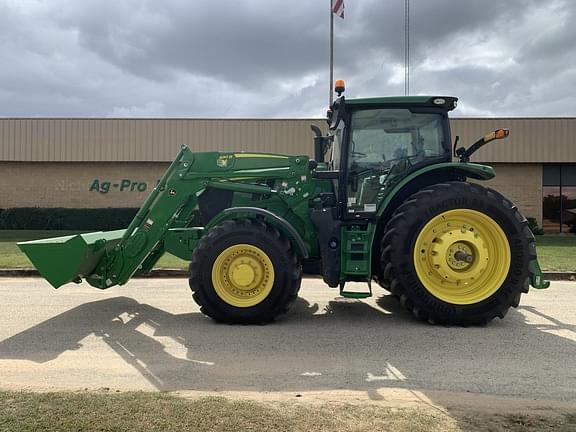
pixel 446 102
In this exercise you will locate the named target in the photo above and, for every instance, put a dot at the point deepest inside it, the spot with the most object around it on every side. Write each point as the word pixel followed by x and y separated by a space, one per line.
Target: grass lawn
pixel 23 411
pixel 555 253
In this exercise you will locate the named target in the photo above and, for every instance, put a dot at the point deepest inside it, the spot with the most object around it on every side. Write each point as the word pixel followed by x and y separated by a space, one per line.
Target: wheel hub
pixel 458 255
pixel 462 256
pixel 243 275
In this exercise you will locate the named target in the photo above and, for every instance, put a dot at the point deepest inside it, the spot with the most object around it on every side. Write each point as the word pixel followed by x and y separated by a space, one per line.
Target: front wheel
pixel 457 253
pixel 244 271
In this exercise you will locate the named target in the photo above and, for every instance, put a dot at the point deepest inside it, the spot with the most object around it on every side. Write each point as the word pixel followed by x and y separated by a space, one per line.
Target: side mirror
pixel 336 113
pixel 464 154
pixel 321 143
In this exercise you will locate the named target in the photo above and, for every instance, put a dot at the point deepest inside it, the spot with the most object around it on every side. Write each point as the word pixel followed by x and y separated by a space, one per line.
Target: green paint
pixel 412 101
pixel 62 260
pixel 470 170
pixel 281 184
pixel 537 279
pixel 356 251
pixel 182 241
pixel 105 260
pixel 355 295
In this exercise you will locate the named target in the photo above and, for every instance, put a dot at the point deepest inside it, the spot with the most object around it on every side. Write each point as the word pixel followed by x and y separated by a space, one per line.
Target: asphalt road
pixel 150 335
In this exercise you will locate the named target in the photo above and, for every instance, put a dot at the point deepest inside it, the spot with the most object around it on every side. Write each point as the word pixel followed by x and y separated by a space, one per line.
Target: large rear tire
pixel 244 271
pixel 457 253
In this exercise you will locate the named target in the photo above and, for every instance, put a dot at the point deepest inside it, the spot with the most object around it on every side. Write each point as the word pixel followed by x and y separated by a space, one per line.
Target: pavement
pixel 150 335
pixel 183 273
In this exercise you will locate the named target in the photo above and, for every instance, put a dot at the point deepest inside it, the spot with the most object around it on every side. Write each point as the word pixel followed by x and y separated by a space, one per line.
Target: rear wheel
pixel 457 253
pixel 244 271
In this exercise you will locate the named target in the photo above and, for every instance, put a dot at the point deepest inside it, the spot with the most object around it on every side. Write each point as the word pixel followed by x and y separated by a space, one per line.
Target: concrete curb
pixel 559 276
pixel 179 273
pixel 156 273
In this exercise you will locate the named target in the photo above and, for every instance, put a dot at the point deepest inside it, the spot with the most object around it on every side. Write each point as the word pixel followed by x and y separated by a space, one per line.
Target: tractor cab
pixel 376 142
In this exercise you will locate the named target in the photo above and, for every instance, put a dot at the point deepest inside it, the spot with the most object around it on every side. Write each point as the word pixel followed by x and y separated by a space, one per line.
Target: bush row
pixel 105 219
pixel 533 225
pixel 35 218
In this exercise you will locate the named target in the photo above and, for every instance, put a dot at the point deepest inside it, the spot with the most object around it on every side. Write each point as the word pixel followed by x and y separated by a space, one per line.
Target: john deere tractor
pixel 392 203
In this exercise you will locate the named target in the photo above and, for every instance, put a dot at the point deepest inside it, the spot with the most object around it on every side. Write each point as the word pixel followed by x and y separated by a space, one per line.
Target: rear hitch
pixel 537 277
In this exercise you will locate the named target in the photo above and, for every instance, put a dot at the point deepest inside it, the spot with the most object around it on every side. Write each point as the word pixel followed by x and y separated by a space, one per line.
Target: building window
pixel 559 199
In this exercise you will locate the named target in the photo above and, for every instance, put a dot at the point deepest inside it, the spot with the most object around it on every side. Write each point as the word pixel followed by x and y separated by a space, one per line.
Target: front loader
pixel 388 205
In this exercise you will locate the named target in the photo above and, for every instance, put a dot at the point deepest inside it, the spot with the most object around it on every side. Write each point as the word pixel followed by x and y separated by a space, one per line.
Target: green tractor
pixel 388 205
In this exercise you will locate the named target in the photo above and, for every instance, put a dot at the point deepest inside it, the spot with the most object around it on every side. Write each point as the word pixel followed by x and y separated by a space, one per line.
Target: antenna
pixel 406 47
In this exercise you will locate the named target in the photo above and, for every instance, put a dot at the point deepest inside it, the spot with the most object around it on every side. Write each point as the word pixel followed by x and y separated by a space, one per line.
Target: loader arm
pixel 112 258
pixel 141 239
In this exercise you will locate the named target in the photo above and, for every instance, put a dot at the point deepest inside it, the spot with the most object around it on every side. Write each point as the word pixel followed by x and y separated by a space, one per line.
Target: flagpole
pixel 331 98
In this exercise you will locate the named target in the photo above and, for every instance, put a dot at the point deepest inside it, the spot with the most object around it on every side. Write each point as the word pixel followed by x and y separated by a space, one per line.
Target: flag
pixel 338 8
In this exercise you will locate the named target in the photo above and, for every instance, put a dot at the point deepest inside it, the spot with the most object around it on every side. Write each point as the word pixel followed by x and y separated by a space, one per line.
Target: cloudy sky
pixel 269 58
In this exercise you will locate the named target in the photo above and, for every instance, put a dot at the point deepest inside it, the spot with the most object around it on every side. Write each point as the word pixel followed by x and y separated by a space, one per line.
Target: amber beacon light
pixel 339 87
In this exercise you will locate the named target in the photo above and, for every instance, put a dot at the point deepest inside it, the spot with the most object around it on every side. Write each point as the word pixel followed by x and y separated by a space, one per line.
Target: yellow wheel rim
pixel 243 275
pixel 462 256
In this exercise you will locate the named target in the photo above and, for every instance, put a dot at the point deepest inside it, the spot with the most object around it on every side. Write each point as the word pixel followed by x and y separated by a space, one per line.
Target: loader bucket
pixel 67 259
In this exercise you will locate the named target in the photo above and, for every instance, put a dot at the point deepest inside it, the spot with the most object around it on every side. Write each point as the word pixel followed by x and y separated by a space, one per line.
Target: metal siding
pixel 533 140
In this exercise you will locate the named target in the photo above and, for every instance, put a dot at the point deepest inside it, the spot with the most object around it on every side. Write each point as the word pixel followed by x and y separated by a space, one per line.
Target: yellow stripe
pixel 259 155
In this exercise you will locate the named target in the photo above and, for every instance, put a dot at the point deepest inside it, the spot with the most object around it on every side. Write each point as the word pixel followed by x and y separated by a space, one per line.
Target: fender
pixel 455 169
pixel 281 223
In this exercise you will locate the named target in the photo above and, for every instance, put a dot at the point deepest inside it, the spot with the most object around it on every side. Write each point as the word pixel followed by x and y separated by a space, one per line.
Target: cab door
pixel 385 145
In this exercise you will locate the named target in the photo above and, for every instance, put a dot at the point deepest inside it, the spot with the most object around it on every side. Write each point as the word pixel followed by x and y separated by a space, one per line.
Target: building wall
pixel 147 140
pixel 521 183
pixel 78 162
pixel 126 184
pixel 77 184
pixel 532 140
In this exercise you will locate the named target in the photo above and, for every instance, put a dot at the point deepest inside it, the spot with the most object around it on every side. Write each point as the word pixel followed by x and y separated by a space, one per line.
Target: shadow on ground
pixel 348 345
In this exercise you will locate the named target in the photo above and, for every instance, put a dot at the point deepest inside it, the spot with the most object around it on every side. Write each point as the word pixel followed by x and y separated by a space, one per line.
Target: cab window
pixel 384 145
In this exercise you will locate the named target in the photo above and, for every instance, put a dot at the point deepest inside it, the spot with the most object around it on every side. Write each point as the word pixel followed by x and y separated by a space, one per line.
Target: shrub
pixel 533 225
pixel 36 218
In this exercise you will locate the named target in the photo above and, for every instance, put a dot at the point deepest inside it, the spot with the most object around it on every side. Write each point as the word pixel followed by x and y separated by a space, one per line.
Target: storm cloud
pixel 257 58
